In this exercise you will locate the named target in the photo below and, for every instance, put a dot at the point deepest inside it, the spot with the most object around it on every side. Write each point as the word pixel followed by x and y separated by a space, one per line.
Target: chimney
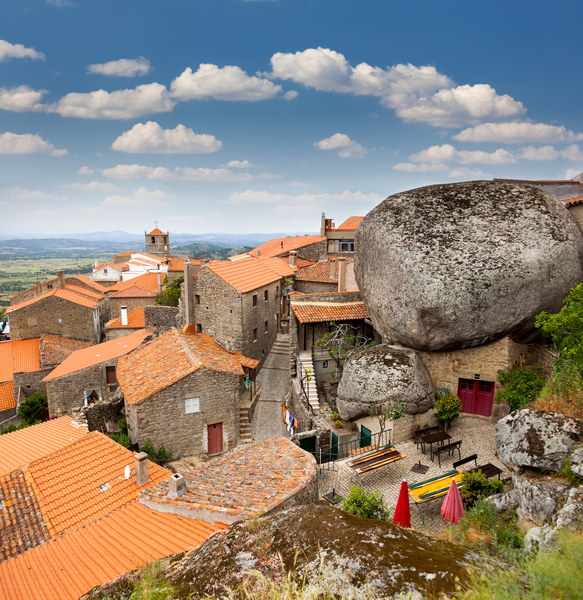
pixel 159 279
pixel 142 468
pixel 176 486
pixel 61 279
pixel 38 286
pixel 341 275
pixel 257 253
pixel 188 293
pixel 124 316
pixel 96 264
pixel 204 262
pixel 293 259
pixel 323 225
pixel 332 268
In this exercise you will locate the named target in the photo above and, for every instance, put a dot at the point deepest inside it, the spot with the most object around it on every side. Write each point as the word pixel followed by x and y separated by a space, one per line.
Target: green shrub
pixel 22 425
pixel 31 408
pixel 477 486
pixel 480 517
pixel 566 472
pixel 121 438
pixel 149 450
pixel 521 386
pixel 366 504
pixel 447 408
pixel 151 584
pixel 123 426
pixel 163 455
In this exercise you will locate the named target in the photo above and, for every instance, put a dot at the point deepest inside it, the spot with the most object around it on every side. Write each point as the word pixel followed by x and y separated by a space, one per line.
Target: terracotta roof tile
pixel 98 353
pixel 305 263
pixel 26 445
pixel 248 274
pixel 156 232
pixel 279 246
pixel 136 319
pixel 169 358
pixel 84 291
pixel 351 224
pixel 147 280
pixel 19 356
pixel 96 286
pixel 135 291
pixel 176 264
pixel 245 482
pixel 573 201
pixel 67 482
pixel 7 399
pixel 65 294
pixel 71 565
pixel 322 312
pixel 54 349
pixel 320 271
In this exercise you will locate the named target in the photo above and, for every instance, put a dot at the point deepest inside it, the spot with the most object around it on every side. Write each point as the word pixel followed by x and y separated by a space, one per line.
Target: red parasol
pixel 452 508
pixel 402 513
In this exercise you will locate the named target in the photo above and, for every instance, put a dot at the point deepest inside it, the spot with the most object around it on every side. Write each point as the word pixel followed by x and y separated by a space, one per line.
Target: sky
pixel 246 116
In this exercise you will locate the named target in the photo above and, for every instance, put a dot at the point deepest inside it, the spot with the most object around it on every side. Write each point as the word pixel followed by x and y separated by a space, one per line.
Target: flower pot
pixel 338 426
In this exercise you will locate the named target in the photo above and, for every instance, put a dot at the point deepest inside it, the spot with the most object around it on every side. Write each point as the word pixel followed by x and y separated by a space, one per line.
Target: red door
pixel 485 398
pixel 467 395
pixel 215 435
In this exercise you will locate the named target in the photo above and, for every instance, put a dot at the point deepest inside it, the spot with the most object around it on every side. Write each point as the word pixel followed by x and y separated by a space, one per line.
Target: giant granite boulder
pixel 537 439
pixel 460 265
pixel 379 373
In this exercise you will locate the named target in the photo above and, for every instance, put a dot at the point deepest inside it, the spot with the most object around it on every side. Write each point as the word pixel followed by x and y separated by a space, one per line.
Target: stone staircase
pixel 280 346
pixel 244 426
pixel 307 365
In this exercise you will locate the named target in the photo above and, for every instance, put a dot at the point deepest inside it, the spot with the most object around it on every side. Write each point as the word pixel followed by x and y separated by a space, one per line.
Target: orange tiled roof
pixel 245 482
pixel 71 565
pixel 279 246
pixel 96 286
pixel 65 294
pixel 573 201
pixel 7 399
pixel 84 291
pixel 54 349
pixel 156 232
pixel 98 353
pixel 136 319
pixel 322 312
pixel 320 271
pixel 123 266
pixel 135 291
pixel 147 280
pixel 17 356
pixel 305 263
pixel 67 482
pixel 177 264
pixel 26 445
pixel 351 224
pixel 170 357
pixel 250 273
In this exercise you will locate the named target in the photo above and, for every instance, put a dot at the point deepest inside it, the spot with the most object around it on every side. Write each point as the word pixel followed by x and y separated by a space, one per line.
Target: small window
pixel 105 271
pixel 266 295
pixel 263 352
pixel 191 405
pixel 266 326
pixel 277 289
pixel 49 286
pixel 254 299
pixel 110 375
pixel 198 328
pixel 255 335
pixel 197 298
pixel 153 240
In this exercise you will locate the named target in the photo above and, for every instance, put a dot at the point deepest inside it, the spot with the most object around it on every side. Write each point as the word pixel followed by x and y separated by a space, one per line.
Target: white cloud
pixel 85 171
pixel 468 173
pixel 240 164
pixel 135 171
pixel 20 193
pixel 540 153
pixel 572 173
pixel 572 152
pixel 264 197
pixel 8 50
pixel 120 104
pixel 421 167
pixel 93 186
pixel 21 98
pixel 227 83
pixel 27 143
pixel 191 174
pixel 124 67
pixel 517 133
pixel 438 154
pixel 151 138
pixel 141 197
pixel 62 3
pixel 347 148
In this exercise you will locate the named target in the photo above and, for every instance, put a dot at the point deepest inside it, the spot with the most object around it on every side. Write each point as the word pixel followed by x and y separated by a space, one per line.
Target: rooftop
pixel 64 294
pixel 16 356
pixel 156 232
pixel 69 566
pixel 573 201
pixel 31 443
pixel 351 224
pixel 136 319
pixel 98 353
pixel 135 291
pixel 279 246
pixel 170 357
pixel 321 312
pixel 96 286
pixel 244 483
pixel 54 349
pixel 147 280
pixel 320 271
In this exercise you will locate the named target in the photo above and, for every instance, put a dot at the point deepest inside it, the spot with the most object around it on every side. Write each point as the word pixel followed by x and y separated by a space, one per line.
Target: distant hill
pixel 208 250
pixel 69 246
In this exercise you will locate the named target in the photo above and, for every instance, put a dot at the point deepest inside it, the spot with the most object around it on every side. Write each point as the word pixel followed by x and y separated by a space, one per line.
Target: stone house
pixel 307 247
pixel 333 275
pixel 110 273
pixel 89 375
pixel 67 311
pixel 153 318
pixel 128 322
pixel 131 297
pixel 340 240
pixel 182 391
pixel 240 303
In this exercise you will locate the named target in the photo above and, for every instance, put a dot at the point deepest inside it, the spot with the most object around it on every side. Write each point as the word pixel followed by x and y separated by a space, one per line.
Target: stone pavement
pixel 477 437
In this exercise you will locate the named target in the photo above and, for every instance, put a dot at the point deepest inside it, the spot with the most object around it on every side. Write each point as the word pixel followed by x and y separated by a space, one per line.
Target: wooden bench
pixel 419 433
pixel 449 448
pixel 489 470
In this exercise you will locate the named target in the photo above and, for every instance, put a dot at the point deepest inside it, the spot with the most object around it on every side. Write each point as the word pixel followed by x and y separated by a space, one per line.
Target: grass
pixel 151 585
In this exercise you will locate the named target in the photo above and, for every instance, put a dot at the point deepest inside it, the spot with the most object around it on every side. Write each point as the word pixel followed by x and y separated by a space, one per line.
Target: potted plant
pixel 353 426
pixel 335 416
pixel 338 424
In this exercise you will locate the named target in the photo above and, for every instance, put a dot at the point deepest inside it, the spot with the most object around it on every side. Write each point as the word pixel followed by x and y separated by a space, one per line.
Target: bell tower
pixel 157 242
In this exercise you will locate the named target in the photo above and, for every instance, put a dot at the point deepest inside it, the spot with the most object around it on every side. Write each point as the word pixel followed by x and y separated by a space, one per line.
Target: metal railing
pixel 548 345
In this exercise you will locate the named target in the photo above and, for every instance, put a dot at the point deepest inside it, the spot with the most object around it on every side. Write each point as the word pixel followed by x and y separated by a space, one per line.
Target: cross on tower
pixel 156 223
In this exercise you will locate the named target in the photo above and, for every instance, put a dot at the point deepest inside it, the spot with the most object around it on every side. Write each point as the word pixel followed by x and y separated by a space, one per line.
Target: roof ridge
pixel 187 347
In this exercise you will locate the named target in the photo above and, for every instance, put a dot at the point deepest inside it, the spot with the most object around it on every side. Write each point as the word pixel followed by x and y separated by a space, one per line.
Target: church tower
pixel 157 242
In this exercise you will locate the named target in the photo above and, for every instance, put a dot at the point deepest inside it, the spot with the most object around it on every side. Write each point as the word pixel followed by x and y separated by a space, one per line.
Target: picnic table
pixel 433 438
pixel 373 461
pixel 432 488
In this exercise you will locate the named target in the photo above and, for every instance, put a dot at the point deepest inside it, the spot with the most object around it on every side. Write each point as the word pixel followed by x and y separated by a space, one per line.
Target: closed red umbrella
pixel 452 508
pixel 402 512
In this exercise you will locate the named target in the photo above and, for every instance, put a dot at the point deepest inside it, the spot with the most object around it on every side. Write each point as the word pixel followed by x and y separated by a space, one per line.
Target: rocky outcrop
pixel 539 498
pixel 577 462
pixel 534 438
pixel 460 265
pixel 379 373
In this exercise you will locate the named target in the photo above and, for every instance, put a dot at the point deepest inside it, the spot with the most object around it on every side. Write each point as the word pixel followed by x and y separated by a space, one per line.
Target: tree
pixel 386 410
pixel 30 409
pixel 521 386
pixel 447 409
pixel 171 295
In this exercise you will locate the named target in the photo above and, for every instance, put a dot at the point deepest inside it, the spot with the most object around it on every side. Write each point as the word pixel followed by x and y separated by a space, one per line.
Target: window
pixel 266 295
pixel 153 240
pixel 198 328
pixel 91 396
pixel 105 271
pixel 263 352
pixel 266 326
pixel 255 335
pixel 110 375
pixel 191 405
pixel 254 299
pixel 277 289
pixel 197 298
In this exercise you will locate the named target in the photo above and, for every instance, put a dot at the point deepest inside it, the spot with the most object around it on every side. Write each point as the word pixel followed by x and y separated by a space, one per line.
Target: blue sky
pixel 257 116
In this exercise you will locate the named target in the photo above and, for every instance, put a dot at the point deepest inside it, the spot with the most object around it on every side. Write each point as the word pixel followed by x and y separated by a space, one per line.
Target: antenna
pixel 126 472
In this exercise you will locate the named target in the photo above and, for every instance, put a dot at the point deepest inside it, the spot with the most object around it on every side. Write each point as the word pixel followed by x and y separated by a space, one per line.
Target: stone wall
pixel 67 392
pixel 315 287
pixel 131 303
pixel 312 251
pixel 446 368
pixel 30 383
pixel 118 332
pixel 78 322
pixel 6 415
pixel 403 427
pixel 160 318
pixel 161 418
pixel 350 283
pixel 96 415
pixel 544 357
pixel 576 211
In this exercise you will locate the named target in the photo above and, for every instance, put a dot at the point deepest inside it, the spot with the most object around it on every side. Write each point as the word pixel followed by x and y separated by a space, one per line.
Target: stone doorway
pixel 477 396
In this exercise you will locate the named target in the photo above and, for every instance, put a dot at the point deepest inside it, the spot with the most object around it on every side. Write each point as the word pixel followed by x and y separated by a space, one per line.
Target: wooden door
pixel 365 437
pixel 467 394
pixel 215 436
pixel 484 398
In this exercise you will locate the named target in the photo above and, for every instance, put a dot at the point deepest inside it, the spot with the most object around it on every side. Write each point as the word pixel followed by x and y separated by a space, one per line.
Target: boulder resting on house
pixel 379 373
pixel 459 265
